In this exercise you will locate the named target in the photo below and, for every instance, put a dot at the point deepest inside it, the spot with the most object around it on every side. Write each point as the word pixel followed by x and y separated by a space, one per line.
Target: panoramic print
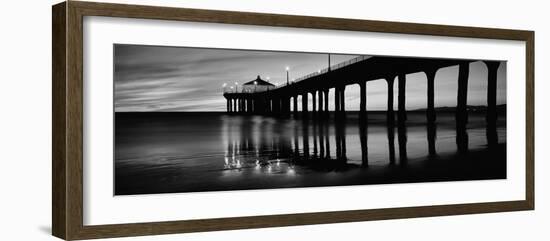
pixel 199 119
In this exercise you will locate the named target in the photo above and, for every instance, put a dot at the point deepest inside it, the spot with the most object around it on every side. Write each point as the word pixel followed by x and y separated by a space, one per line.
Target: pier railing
pixel 320 72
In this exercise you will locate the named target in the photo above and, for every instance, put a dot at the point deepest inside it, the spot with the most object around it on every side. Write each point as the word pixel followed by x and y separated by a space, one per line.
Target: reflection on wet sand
pixel 258 152
pixel 308 143
pixel 363 137
pixel 431 128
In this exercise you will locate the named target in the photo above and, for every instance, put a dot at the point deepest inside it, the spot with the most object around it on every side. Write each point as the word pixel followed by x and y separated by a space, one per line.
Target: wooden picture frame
pixel 67 150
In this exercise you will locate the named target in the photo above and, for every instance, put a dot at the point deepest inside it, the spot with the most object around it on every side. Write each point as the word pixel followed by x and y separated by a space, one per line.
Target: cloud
pixel 155 78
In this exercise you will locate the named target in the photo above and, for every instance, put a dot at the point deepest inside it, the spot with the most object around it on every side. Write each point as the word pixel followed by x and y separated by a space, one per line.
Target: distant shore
pixel 471 109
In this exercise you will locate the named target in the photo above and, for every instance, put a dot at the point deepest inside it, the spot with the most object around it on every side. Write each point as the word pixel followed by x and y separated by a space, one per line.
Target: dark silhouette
pixel 391 143
pixel 431 129
pixel 402 139
pixel 363 137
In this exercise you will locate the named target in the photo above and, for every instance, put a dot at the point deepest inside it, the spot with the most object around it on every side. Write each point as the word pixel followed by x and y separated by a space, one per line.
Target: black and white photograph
pixel 198 119
pixel 275 120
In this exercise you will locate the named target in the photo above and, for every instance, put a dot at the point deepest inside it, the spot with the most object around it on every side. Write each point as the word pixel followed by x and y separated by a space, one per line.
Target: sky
pixel 180 79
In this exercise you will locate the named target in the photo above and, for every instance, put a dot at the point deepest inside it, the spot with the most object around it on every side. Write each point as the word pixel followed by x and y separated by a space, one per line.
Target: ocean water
pixel 194 152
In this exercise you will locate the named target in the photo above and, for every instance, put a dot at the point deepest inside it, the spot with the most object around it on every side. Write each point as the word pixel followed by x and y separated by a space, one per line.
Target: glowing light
pixel 255 82
pixel 236 83
pixel 238 164
pixel 287 68
pixel 224 84
pixel 226 165
pixel 291 171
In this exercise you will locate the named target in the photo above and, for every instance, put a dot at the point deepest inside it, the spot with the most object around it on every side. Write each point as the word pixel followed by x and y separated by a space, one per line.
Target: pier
pixel 279 101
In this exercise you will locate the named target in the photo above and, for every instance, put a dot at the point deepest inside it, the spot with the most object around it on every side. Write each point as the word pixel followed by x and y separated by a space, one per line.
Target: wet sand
pixel 193 152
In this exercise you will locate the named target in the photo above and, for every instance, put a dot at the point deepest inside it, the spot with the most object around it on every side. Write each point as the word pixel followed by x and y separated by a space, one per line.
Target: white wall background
pixel 25 120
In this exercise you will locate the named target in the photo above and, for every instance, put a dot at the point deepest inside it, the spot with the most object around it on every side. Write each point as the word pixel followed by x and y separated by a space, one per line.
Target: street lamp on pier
pixel 287 69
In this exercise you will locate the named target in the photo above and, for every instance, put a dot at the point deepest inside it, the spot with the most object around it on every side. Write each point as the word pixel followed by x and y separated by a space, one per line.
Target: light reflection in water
pixel 158 153
pixel 277 146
